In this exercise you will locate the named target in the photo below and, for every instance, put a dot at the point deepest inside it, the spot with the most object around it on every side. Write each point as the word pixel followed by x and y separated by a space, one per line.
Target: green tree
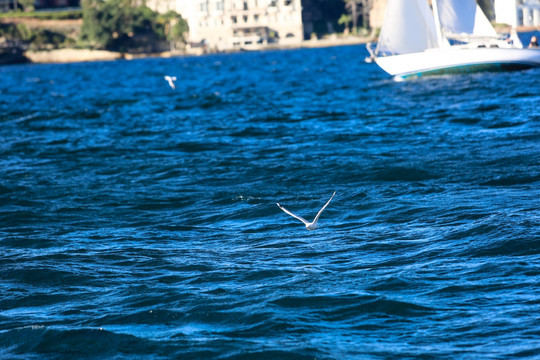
pixel 100 22
pixel 352 8
pixel 110 24
pixel 178 29
pixel 173 27
pixel 358 9
pixel 345 20
pixel 116 24
pixel 28 5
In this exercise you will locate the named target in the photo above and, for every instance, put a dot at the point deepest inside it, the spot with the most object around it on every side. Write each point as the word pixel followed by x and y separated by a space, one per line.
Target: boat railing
pixel 375 51
pixel 469 38
pixel 369 47
pixel 472 41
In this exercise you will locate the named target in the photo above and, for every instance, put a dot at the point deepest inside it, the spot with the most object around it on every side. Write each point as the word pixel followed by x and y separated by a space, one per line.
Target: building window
pixel 288 2
pixel 204 6
pixel 234 19
pixel 219 5
pixel 245 5
pixel 245 18
pixel 256 18
pixel 273 3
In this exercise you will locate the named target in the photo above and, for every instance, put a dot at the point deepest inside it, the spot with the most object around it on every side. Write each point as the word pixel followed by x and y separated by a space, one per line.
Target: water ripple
pixel 141 222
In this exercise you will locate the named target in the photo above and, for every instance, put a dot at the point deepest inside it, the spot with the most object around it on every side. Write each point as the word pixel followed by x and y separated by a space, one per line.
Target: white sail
pixel 408 27
pixel 464 17
pixel 414 40
pixel 514 39
pixel 482 26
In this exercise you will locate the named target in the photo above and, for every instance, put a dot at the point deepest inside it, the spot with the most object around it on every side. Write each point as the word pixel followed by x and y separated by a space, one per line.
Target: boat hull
pixel 458 60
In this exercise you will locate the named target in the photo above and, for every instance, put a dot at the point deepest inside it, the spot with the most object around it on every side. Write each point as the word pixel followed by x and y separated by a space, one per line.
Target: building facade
pixel 221 25
pixel 376 15
pixel 518 12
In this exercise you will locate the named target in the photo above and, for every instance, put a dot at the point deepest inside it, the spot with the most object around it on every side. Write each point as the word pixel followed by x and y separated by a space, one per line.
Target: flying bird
pixel 309 225
pixel 170 80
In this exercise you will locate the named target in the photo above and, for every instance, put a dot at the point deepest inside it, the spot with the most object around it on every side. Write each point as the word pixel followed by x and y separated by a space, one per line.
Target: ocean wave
pixel 50 342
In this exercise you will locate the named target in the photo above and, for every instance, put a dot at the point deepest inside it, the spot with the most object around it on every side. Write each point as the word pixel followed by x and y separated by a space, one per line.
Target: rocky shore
pixel 11 53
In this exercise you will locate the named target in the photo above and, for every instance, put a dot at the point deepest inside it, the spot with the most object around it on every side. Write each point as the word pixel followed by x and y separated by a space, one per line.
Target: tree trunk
pixel 354 17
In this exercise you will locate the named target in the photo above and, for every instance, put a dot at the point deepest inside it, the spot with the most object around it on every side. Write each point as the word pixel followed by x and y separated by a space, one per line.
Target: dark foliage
pixel 117 25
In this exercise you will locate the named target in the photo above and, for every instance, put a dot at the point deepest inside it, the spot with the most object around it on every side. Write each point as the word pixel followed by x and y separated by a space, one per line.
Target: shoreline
pixel 69 55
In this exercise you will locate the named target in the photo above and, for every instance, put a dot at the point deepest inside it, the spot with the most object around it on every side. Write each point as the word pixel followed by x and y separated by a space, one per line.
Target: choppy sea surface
pixel 138 221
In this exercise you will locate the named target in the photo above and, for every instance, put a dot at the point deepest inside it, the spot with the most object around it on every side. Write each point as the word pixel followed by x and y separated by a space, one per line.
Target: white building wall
pixel 536 16
pixel 506 12
pixel 233 24
pixel 376 15
pixel 518 12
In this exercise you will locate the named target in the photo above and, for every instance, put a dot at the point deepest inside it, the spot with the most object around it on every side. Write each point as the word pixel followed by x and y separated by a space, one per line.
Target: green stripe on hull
pixel 467 69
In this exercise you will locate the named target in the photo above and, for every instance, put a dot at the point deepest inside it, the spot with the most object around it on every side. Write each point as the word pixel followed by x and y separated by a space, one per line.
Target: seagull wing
pixel 324 207
pixel 295 216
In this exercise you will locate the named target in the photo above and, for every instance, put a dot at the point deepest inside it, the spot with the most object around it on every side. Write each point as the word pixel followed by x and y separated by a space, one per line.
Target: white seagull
pixel 309 225
pixel 170 80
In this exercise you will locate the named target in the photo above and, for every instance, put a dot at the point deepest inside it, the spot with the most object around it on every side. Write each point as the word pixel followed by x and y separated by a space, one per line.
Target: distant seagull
pixel 309 225
pixel 170 80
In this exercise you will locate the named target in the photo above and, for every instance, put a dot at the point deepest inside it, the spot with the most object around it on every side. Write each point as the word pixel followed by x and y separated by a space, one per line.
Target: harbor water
pixel 140 222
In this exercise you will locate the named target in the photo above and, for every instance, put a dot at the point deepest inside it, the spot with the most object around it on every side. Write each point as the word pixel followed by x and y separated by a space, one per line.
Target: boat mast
pixel 437 22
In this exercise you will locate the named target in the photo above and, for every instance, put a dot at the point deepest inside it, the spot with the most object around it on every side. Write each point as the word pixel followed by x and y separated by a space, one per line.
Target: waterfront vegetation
pixel 44 15
pixel 118 26
pixel 35 38
pixel 113 25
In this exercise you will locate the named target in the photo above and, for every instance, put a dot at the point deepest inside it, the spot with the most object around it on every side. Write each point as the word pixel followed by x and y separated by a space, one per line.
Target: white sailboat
pixel 454 36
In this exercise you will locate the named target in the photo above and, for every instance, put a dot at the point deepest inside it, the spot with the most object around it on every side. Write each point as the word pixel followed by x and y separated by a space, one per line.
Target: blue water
pixel 139 222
